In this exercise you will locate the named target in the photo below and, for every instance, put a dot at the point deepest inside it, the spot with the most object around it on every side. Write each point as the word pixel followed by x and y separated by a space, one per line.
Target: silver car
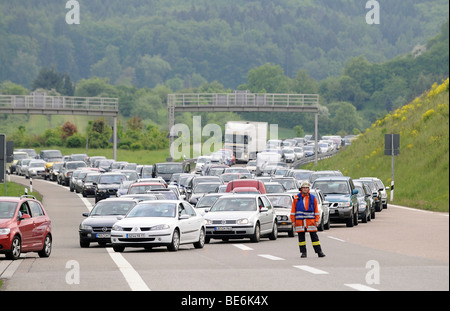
pixel 239 216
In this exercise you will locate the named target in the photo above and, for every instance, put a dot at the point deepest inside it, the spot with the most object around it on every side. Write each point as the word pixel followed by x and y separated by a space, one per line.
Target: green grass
pixel 16 190
pixel 422 167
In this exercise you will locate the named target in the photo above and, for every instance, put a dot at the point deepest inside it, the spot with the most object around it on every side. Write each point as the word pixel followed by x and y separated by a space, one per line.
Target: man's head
pixel 304 187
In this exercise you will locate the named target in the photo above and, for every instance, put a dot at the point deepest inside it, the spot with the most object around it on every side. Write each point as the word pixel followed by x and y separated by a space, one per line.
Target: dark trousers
pixel 314 239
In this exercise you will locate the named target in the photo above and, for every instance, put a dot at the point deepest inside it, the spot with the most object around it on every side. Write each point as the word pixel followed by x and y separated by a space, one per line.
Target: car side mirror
pixel 263 209
pixel 183 217
pixel 85 214
pixel 24 216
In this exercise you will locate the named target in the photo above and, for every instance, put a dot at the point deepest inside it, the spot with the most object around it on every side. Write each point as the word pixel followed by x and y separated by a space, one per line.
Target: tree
pixel 267 78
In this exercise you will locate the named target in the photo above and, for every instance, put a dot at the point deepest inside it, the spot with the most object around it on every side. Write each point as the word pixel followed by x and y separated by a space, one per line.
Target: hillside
pixel 422 167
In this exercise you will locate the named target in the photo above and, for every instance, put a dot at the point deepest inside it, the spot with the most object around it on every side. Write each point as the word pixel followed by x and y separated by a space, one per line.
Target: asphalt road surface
pixel 401 250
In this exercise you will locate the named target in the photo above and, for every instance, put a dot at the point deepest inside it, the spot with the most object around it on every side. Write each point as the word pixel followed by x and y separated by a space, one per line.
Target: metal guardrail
pixel 311 159
pixel 30 103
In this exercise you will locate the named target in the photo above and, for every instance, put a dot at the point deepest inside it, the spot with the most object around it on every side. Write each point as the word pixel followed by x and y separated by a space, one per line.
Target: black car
pixel 87 187
pixel 108 184
pixel 97 226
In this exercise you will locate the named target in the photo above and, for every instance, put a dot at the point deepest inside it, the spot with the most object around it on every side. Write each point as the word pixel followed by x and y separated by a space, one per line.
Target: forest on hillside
pixel 141 51
pixel 145 43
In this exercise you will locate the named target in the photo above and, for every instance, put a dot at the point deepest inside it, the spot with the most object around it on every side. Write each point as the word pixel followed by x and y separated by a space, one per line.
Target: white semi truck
pixel 245 139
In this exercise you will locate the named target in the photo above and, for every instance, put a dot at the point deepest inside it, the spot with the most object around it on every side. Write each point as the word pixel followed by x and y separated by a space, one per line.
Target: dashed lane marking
pixel 311 269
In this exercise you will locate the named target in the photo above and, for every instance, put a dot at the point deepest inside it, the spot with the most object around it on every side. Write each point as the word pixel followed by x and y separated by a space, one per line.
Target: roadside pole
pixel 392 148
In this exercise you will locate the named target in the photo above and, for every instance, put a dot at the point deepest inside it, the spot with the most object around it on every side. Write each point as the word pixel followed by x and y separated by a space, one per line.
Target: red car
pixel 24 227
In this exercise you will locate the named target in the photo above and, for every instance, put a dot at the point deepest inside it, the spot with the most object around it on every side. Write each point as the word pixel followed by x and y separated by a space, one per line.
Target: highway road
pixel 402 249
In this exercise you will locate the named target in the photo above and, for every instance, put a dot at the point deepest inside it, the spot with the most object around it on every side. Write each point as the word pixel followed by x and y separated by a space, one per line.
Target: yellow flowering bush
pixel 427 115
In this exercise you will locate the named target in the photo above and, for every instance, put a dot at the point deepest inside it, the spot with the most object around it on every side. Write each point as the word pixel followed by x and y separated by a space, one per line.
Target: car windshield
pixel 111 179
pixel 281 201
pixel 360 191
pixel 207 201
pixel 274 188
pixel 234 204
pixel 37 164
pixel 153 210
pixel 19 156
pixel 72 166
pixel 169 168
pixel 91 177
pixel 206 188
pixel 332 187
pixel 7 210
pixel 144 188
pixel 105 208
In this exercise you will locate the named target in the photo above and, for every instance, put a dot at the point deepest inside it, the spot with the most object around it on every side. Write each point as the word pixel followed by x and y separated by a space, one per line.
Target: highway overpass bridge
pixel 38 103
pixel 242 101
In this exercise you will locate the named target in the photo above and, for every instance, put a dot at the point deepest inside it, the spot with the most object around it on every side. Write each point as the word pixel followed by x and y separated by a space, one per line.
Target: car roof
pixel 17 199
pixel 333 178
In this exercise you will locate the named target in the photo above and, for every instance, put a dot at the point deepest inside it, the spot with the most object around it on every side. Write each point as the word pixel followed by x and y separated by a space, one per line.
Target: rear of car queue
pixel 344 208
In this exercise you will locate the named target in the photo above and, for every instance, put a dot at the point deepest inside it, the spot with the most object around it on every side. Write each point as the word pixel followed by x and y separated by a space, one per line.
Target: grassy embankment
pixel 422 167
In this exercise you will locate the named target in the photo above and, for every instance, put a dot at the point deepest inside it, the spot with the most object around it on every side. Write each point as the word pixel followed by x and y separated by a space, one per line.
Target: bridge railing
pixel 243 99
pixel 58 102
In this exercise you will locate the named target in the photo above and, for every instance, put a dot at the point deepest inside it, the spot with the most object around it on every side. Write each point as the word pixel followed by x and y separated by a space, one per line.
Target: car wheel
pixel 173 247
pixel 327 225
pixel 364 217
pixel 321 225
pixel 256 235
pixel 350 221
pixel 16 249
pixel 47 249
pixel 84 244
pixel 291 232
pixel 274 234
pixel 201 239
pixel 118 248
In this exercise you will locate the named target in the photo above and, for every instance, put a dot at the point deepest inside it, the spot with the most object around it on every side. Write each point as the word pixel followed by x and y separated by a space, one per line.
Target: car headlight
pixel 117 228
pixel 4 231
pixel 85 227
pixel 242 221
pixel 208 221
pixel 344 204
pixel 160 227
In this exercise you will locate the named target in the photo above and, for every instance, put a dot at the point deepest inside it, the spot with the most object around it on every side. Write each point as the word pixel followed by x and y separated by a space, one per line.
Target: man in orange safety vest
pixel 305 216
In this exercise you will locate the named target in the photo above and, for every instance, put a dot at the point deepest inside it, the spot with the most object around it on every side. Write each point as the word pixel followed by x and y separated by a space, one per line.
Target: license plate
pixel 223 228
pixel 103 235
pixel 135 235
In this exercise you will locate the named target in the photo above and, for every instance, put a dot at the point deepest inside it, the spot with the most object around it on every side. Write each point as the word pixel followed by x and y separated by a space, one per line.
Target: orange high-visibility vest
pixel 305 220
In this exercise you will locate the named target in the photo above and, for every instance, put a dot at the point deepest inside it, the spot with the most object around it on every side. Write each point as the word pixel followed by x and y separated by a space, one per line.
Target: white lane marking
pixel 418 210
pixel 133 278
pixel 332 237
pixel 311 269
pixel 243 247
pixel 271 257
pixel 361 287
pixel 11 268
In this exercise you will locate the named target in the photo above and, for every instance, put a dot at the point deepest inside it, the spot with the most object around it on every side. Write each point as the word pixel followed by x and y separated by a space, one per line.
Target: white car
pixel 282 202
pixel 239 216
pixel 36 168
pixel 159 223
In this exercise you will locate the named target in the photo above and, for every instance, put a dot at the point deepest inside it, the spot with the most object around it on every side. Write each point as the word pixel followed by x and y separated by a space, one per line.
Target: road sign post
pixel 392 148
pixel 3 159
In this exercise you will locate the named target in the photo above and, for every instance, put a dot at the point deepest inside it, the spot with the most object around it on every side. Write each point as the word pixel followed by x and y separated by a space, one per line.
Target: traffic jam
pixel 190 202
